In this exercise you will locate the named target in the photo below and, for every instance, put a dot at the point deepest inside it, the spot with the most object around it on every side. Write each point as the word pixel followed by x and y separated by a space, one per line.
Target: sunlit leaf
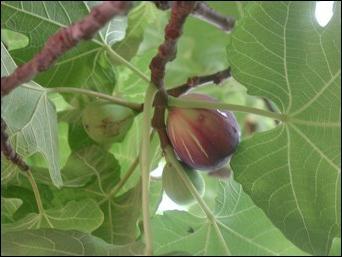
pixel 242 229
pixel 31 120
pixel 293 171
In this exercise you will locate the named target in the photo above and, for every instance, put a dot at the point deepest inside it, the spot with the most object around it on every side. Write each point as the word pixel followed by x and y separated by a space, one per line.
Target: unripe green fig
pixel 107 123
pixel 203 139
pixel 175 187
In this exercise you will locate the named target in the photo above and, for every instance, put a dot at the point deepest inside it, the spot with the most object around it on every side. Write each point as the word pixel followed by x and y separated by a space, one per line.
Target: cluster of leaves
pixel 284 197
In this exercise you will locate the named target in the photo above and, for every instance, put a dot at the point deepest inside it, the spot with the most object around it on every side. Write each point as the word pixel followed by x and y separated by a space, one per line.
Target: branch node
pixel 8 151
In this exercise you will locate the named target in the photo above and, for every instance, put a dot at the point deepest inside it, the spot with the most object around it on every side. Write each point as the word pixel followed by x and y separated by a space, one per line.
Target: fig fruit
pixel 107 122
pixel 176 189
pixel 203 139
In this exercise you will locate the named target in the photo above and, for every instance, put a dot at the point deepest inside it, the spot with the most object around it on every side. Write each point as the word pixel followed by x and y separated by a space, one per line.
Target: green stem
pixel 37 197
pixel 36 192
pixel 117 58
pixel 145 166
pixel 113 99
pixel 171 158
pixel 187 103
pixel 122 182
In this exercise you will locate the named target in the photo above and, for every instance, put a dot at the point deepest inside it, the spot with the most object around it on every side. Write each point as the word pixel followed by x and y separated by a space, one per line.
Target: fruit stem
pixel 113 99
pixel 171 158
pixel 115 57
pixel 177 102
pixel 145 166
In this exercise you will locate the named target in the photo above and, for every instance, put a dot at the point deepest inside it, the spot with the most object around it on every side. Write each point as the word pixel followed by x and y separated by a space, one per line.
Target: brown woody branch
pixel 166 53
pixel 204 12
pixel 8 151
pixel 167 50
pixel 62 41
pixel 56 45
pixel 196 81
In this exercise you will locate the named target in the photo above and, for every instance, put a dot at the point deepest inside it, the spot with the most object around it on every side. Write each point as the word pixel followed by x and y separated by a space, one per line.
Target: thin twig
pixel 203 12
pixel 62 41
pixel 122 182
pixel 197 81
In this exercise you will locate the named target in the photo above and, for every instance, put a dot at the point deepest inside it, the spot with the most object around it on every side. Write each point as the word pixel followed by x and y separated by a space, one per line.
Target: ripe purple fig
pixel 203 139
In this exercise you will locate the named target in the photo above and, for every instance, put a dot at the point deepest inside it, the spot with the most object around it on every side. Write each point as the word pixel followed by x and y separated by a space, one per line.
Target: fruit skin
pixel 176 189
pixel 203 139
pixel 107 123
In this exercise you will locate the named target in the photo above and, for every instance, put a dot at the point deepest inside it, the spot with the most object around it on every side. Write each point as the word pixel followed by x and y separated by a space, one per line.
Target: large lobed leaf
pixel 93 173
pixel 293 171
pixel 245 229
pixel 31 120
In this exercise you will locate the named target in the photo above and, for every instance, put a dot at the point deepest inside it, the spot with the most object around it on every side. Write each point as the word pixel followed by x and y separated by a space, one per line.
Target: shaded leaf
pixel 127 151
pixel 335 249
pixel 77 136
pixel 8 207
pixel 92 173
pixel 138 18
pixel 84 216
pixel 52 242
pixel 8 171
pixel 83 165
pixel 121 216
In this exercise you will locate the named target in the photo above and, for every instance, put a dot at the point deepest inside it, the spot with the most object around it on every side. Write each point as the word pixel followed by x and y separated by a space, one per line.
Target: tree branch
pixel 8 151
pixel 203 12
pixel 62 41
pixel 167 50
pixel 196 81
pixel 166 53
